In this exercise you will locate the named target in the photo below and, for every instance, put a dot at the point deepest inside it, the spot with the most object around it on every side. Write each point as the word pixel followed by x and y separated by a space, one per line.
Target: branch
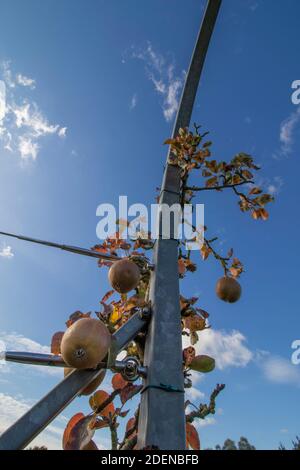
pixel 107 402
pixel 114 436
pixel 217 188
pixel 205 410
pixel 218 257
pixel 132 430
pixel 129 445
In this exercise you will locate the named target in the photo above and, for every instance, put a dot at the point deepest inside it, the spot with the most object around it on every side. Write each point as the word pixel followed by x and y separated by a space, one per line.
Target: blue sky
pixel 92 90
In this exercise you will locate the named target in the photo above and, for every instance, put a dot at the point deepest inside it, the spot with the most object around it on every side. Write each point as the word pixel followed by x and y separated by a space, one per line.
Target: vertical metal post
pixel 162 418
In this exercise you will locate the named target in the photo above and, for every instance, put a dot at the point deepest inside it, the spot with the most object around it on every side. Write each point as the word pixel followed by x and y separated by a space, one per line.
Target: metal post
pixel 161 417
pixel 23 431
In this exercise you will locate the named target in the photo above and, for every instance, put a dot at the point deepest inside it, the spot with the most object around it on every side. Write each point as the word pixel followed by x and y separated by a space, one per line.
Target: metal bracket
pixel 130 369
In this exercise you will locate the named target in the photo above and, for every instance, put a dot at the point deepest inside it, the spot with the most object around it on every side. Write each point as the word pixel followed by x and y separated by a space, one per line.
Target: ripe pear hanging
pixel 124 275
pixel 228 289
pixel 85 343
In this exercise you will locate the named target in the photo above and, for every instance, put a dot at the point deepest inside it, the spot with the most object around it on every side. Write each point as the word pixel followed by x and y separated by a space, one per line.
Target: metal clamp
pixel 145 313
pixel 130 369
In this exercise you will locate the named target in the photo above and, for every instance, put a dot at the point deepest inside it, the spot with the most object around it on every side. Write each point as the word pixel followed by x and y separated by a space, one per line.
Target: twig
pixel 114 436
pixel 205 410
pixel 129 445
pixel 217 188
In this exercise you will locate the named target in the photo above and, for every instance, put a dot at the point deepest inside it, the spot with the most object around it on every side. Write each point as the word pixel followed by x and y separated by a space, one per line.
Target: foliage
pixel 295 444
pixel 229 444
pixel 191 153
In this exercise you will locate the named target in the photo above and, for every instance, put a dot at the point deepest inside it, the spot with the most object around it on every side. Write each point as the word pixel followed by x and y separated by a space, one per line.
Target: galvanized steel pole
pixel 162 417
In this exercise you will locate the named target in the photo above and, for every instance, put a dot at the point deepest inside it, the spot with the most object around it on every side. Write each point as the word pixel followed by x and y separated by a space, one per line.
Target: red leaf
pixel 80 434
pixel 181 266
pixel 107 296
pixel 118 382
pixel 192 437
pixel 188 355
pixel 129 391
pixel 98 399
pixel 76 316
pixel 130 424
pixel 73 421
pixel 55 342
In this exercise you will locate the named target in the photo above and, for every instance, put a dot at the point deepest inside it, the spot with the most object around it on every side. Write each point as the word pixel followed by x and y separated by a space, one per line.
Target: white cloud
pixel 133 102
pixel 16 342
pixel 6 252
pixel 161 72
pixel 22 124
pixel 2 101
pixel 275 185
pixel 28 148
pixel 25 81
pixel 7 74
pixel 62 132
pixel 284 431
pixel 208 421
pixel 194 394
pixel 278 370
pixel 12 408
pixel 287 134
pixel 228 349
pixel 28 115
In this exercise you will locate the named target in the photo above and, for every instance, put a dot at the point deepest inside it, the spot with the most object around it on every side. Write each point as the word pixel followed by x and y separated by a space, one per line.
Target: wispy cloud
pixel 25 81
pixel 6 252
pixel 275 185
pixel 284 431
pixel 253 7
pixel 22 123
pixel 133 102
pixel 287 134
pixel 161 72
pixel 278 370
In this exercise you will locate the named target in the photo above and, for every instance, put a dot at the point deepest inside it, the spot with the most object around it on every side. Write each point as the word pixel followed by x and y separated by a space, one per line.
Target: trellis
pixel 162 416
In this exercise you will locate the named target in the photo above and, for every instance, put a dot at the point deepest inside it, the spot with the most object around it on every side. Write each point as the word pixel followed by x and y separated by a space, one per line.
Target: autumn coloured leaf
pixel 194 323
pixel 118 382
pixel 192 437
pixel 181 266
pixel 264 214
pixel 205 251
pixel 211 182
pixel 202 312
pixel 90 446
pixel 115 315
pixel 255 191
pixel 56 341
pixel 129 391
pixel 74 420
pixel 107 296
pixel 130 424
pixel 188 355
pixel 98 399
pixel 78 432
pixel 122 414
pixel 190 266
pixel 77 316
